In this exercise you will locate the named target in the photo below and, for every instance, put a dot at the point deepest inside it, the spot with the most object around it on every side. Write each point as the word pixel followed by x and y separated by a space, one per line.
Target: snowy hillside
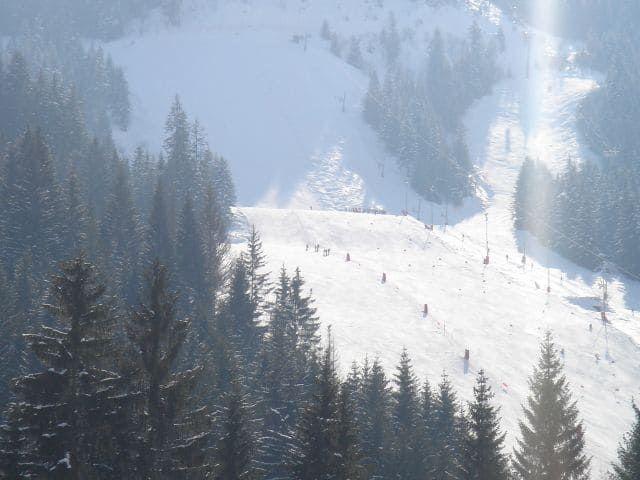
pixel 497 312
pixel 274 109
pixel 272 106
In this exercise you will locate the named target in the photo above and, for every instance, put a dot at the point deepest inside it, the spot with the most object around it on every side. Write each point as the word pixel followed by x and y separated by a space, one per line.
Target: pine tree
pixel 258 278
pixel 375 423
pixel 11 343
pixel 181 168
pixel 306 325
pixel 406 455
pixel 427 426
pixel 238 320
pixel 628 465
pixel 316 456
pixel 76 227
pixel 31 204
pixel 446 461
pixel 372 107
pixel 174 437
pixel 144 173
pixel 279 382
pixel 71 413
pixel 203 161
pixel 160 240
pixel 354 57
pixel 98 170
pixel 348 454
pixel 486 442
pixel 236 450
pixel 11 445
pixel 223 184
pixel 190 258
pixel 439 79
pixel 121 237
pixel 214 246
pixel 552 437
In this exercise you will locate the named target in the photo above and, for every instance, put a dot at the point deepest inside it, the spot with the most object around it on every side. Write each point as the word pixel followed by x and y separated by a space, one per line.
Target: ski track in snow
pixel 278 118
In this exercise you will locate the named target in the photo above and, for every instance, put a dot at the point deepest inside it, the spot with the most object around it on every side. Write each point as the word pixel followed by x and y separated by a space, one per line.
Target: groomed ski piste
pixel 274 110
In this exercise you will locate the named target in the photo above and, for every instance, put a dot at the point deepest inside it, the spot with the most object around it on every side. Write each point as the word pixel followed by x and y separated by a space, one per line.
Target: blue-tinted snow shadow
pixel 547 258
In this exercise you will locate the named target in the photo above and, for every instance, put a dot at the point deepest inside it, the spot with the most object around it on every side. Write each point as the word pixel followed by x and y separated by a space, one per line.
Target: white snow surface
pixel 272 107
pixel 274 110
pixel 496 312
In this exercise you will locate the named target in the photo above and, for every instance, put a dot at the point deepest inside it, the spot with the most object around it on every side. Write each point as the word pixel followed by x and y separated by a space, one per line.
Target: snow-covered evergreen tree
pixel 486 459
pixel 551 443
pixel 627 466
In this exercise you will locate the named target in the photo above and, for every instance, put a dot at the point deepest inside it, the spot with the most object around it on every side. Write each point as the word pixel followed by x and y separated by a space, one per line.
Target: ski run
pixel 312 164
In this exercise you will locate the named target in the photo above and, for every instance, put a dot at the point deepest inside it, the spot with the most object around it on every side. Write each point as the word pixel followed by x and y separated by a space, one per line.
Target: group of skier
pixel 316 248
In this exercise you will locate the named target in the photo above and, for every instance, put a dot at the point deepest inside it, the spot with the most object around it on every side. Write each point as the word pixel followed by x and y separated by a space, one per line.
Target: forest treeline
pixel 121 395
pixel 134 345
pixel 63 191
pixel 418 114
pixel 108 372
pixel 588 212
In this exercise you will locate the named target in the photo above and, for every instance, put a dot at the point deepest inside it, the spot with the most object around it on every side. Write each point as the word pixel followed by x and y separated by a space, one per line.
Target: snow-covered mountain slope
pixel 272 106
pixel 497 311
pixel 274 109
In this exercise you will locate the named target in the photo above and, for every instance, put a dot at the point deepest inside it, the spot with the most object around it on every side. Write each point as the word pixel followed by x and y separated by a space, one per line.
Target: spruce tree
pixel 306 324
pixel 223 184
pixel 174 440
pixel 181 168
pixel 447 452
pixel 375 423
pixel 439 79
pixel 76 226
pixel 160 240
pixel 551 443
pixel 354 57
pixel 214 247
pixel 279 382
pixel 628 465
pixel 236 451
pixel 71 414
pixel 238 320
pixel 258 278
pixel 316 456
pixel 30 204
pixel 372 109
pixel 11 342
pixel 121 237
pixel 348 452
pixel 405 420
pixel 190 258
pixel 427 425
pixel 486 459
pixel 143 172
pixel 11 445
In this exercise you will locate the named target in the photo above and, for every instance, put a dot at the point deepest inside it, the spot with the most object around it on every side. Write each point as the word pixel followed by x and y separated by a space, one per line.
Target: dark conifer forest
pixel 135 345
pixel 589 212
